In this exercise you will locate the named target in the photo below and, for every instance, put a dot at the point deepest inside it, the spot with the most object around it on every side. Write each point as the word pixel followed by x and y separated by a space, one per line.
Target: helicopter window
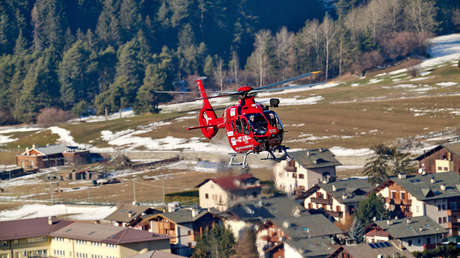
pixel 273 119
pixel 245 126
pixel 238 126
pixel 233 125
pixel 258 123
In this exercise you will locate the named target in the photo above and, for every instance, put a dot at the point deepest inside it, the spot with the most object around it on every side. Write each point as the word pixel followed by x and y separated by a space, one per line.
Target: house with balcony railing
pixel 338 199
pixel 440 159
pixel 434 195
pixel 304 169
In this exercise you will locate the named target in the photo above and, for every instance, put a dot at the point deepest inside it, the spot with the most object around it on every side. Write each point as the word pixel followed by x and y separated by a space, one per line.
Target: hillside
pixel 414 106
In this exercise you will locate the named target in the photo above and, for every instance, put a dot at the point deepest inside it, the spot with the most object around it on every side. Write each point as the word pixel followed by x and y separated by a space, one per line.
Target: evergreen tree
pixel 130 18
pixel 215 242
pixel 370 208
pixel 108 28
pixel 131 68
pixel 147 100
pixel 73 75
pixel 49 20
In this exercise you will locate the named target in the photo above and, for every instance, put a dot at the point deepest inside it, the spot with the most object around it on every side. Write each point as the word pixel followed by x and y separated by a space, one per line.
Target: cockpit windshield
pixel 258 123
pixel 273 119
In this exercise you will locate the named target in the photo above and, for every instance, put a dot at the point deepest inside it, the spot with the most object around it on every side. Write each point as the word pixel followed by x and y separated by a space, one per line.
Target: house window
pixel 189 232
pixel 439 220
pixel 439 168
pixel 444 219
pixel 301 176
pixel 403 195
pixel 206 196
pixel 189 245
pixel 393 194
pixel 293 175
pixel 410 242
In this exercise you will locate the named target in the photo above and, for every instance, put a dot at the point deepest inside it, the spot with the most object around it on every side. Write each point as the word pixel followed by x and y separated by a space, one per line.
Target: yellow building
pixel 28 237
pixel 47 236
pixel 85 240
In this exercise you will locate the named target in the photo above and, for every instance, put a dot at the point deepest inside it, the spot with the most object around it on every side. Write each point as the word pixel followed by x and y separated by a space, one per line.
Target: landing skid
pixel 270 156
pixel 243 164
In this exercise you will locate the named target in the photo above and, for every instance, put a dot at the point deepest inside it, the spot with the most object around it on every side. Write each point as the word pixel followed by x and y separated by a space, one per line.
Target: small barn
pixel 51 156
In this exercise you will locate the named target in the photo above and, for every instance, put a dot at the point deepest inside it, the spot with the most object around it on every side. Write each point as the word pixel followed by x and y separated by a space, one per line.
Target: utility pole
pixel 163 190
pixel 134 191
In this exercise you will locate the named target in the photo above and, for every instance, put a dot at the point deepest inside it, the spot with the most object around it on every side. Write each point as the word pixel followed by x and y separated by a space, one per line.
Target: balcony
pixel 455 213
pixel 290 169
pixel 318 200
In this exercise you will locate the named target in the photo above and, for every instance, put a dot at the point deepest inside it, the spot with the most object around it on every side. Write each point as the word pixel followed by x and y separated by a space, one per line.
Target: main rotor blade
pixel 272 85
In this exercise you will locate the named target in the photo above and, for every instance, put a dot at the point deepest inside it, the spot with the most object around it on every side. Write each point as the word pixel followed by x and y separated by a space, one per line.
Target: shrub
pixel 52 116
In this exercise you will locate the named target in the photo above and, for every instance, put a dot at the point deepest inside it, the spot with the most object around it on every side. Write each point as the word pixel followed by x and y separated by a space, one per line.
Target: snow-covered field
pixel 69 211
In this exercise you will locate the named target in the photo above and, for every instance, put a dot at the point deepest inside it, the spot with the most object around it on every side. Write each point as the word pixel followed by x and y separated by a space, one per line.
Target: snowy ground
pixel 73 212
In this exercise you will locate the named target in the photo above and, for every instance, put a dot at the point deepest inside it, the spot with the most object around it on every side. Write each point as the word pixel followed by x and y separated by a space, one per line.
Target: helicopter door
pixel 245 126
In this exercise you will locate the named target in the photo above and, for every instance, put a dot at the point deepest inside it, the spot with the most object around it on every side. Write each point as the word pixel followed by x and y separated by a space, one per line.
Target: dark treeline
pixel 104 55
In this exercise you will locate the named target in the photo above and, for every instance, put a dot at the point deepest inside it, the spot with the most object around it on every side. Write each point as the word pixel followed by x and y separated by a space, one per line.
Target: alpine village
pixel 234 129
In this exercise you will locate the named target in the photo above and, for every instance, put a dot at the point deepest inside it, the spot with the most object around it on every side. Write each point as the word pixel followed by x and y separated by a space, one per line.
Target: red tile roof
pixel 376 232
pixel 27 228
pixel 228 182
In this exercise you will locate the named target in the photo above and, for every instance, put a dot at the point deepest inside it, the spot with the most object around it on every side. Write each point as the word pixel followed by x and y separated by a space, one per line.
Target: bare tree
pixel 329 32
pixel 284 44
pixel 421 17
pixel 259 59
pixel 234 66
pixel 219 72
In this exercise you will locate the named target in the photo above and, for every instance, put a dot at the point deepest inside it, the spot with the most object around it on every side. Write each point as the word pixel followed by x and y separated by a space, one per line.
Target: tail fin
pixel 208 119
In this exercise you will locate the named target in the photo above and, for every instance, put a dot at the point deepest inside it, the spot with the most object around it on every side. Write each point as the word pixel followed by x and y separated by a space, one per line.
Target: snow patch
pixel 341 151
pixel 446 84
pixel 74 212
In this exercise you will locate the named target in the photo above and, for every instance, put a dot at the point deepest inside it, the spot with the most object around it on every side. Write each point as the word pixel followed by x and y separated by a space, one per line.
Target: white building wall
pixel 418 242
pixel 237 227
pixel 284 180
pixel 213 196
pixel 290 252
pixel 417 207
pixel 332 207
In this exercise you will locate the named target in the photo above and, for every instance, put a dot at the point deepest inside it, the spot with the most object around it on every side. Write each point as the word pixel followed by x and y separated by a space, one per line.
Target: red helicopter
pixel 250 126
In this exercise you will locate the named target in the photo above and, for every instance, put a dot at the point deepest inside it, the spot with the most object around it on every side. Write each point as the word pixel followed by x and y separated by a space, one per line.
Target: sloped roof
pixel 156 254
pixel 122 214
pixel 229 183
pixel 315 158
pixel 285 212
pixel 312 247
pixel 364 251
pixel 412 227
pixel 421 187
pixel 452 147
pixel 26 228
pixel 106 233
pixel 183 215
pixel 354 189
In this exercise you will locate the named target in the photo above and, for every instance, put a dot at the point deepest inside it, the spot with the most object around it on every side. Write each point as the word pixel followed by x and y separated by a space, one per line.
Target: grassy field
pixel 359 113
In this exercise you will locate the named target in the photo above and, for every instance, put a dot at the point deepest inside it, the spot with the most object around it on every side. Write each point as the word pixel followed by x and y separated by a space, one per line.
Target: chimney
pixel 285 224
pixel 432 180
pixel 389 222
pixel 195 212
pixel 408 221
pixel 334 188
pixel 401 176
pixel 443 187
pixel 33 146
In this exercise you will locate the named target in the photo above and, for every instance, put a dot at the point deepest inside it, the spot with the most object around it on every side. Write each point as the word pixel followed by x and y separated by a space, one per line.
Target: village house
pixel 222 192
pixel 86 240
pixel 183 226
pixel 338 199
pixel 128 215
pixel 436 196
pixel 442 158
pixel 280 220
pixel 28 237
pixel 51 156
pixel 412 234
pixel 365 250
pixel 305 169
